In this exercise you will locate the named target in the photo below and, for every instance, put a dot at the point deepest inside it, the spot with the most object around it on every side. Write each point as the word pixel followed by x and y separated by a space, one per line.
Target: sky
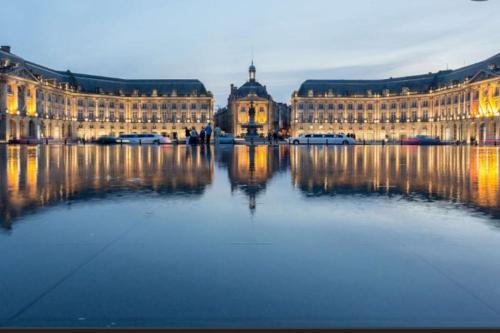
pixel 214 40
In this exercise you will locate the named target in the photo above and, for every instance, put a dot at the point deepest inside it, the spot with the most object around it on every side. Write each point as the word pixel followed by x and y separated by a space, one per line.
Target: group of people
pixel 272 137
pixel 351 135
pixel 193 137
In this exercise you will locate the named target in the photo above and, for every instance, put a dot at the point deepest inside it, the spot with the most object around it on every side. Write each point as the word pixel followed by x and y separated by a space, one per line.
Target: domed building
pixel 231 118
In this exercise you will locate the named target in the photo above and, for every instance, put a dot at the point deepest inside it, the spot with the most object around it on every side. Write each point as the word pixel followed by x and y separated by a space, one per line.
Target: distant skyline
pixel 213 40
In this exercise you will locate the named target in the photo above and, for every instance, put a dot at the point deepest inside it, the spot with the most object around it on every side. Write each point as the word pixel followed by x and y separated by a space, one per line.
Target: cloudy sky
pixel 213 40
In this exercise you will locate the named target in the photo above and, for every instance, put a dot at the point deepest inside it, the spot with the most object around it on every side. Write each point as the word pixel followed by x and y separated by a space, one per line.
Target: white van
pixel 322 139
pixel 143 138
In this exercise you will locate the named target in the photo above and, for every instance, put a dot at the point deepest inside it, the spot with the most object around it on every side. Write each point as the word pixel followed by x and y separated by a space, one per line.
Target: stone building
pixel 39 102
pixel 231 118
pixel 461 104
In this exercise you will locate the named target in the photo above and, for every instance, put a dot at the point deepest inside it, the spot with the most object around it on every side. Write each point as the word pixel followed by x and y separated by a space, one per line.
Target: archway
pixel 32 129
pixel 12 129
pixel 482 132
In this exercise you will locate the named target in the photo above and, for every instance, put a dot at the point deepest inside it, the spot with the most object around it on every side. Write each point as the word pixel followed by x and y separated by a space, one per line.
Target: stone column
pixel 4 127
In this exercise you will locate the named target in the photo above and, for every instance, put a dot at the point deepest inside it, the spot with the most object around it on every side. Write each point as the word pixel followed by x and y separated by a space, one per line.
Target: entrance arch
pixel 32 129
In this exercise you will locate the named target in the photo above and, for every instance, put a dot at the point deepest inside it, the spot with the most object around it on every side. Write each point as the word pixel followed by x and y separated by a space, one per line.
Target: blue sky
pixel 213 40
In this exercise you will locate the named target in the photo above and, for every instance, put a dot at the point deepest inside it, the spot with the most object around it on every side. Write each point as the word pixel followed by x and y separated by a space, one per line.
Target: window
pixel 301 106
pixel 360 117
pixel 394 106
pixel 402 117
pixel 425 104
pixel 101 114
pixel 311 106
pixel 144 117
pixel 360 106
pixel 321 106
pixel 310 117
pixel 341 107
pixel 154 106
pixel 331 107
pixel 112 105
pixel 122 116
pixel 80 115
pixel 350 106
pixel 144 106
pixel 350 117
pixel 403 105
pixel 174 117
pixel 414 104
pixel 101 104
pixel 321 118
pixel 370 106
pixel 425 115
pixel 164 116
pixel 383 117
pixel 203 117
pixel 80 102
pixel 414 116
pixel 111 115
pixel 383 106
pixel 184 106
pixel 193 117
pixel 134 106
pixel 204 106
pixel 183 117
pixel 193 106
pixel 392 118
pixel 174 106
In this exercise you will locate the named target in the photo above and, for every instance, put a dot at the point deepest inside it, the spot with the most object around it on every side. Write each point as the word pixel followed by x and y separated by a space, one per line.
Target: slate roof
pixel 252 87
pixel 416 83
pixel 96 84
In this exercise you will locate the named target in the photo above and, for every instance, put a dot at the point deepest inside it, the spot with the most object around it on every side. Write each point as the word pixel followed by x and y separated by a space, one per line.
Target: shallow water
pixel 249 237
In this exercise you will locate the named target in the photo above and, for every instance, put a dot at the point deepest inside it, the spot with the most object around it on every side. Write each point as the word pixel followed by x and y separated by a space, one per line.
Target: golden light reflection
pixel 39 175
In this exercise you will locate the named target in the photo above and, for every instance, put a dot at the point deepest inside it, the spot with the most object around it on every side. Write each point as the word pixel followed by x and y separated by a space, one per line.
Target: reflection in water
pixel 251 167
pixel 34 176
pixel 467 175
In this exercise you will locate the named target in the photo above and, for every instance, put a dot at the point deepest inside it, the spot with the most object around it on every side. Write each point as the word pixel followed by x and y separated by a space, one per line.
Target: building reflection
pixel 35 176
pixel 464 174
pixel 251 167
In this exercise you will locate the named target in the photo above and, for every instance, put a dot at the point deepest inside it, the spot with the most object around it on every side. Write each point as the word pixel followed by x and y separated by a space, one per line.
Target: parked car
pixel 226 138
pixel 143 138
pixel 106 140
pixel 421 140
pixel 322 139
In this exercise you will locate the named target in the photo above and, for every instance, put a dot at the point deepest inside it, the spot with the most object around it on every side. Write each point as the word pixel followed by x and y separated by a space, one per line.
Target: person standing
pixel 202 136
pixel 193 136
pixel 208 133
pixel 188 135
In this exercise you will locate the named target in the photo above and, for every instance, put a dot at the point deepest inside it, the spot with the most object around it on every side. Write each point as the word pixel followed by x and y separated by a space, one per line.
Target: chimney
pixel 5 48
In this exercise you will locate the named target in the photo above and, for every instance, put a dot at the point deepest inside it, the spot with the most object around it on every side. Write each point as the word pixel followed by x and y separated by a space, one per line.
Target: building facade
pixel 460 104
pixel 231 118
pixel 38 102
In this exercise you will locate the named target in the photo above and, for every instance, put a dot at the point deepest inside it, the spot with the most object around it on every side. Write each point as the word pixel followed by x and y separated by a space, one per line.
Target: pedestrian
pixel 275 137
pixel 188 135
pixel 208 133
pixel 193 136
pixel 202 136
pixel 270 137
